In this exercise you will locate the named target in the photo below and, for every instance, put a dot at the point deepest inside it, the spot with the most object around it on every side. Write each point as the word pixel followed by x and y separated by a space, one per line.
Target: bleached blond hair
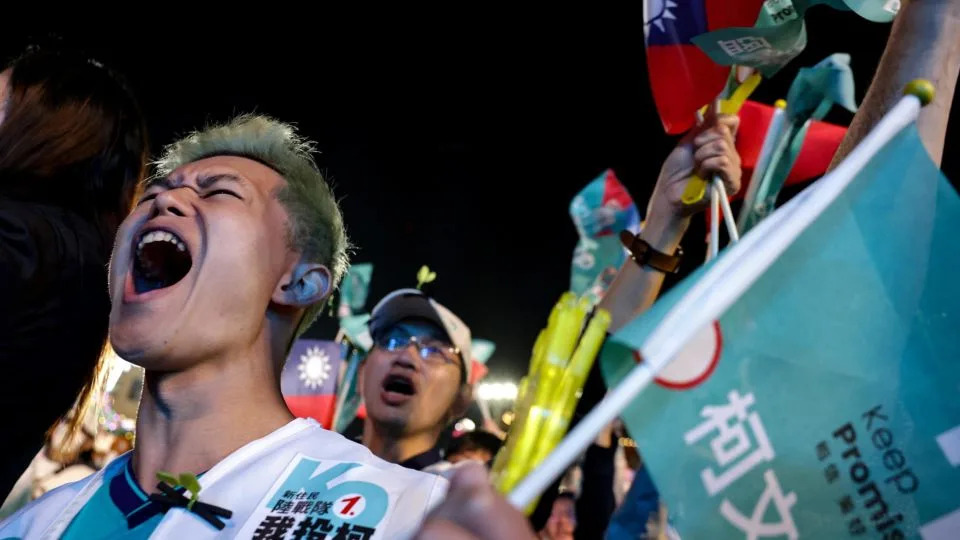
pixel 315 227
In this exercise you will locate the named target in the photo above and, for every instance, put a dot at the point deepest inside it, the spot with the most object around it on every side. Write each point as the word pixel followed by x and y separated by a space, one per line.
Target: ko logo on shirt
pixel 354 501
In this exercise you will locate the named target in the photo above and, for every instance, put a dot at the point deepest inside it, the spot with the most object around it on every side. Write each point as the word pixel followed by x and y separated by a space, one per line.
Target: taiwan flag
pixel 682 76
pixel 309 379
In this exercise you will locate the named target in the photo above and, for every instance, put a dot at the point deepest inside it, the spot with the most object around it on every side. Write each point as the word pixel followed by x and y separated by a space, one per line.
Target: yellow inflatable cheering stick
pixel 548 395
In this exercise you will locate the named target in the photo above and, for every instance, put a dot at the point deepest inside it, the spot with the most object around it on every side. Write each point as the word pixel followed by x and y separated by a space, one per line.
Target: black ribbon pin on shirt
pixel 170 498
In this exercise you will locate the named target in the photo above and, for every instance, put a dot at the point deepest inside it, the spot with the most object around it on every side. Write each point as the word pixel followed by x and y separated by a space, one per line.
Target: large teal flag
pixel 825 402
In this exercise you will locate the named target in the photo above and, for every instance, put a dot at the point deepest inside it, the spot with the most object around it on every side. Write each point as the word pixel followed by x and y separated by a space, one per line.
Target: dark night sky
pixel 455 144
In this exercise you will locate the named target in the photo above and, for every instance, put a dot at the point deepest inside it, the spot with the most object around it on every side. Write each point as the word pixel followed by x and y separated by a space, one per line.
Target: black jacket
pixel 54 311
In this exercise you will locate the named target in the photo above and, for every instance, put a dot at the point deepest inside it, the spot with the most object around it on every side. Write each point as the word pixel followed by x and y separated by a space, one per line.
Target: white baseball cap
pixel 409 303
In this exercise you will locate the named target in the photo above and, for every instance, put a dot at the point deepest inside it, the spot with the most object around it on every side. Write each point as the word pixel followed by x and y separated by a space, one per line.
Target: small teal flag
pixel 354 289
pixel 357 331
pixel 765 48
pixel 780 34
pixel 824 402
pixel 600 211
pixel 348 395
pixel 814 91
pixel 482 350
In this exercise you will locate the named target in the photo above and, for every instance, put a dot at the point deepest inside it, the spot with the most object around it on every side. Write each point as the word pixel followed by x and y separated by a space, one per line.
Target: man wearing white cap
pixel 415 379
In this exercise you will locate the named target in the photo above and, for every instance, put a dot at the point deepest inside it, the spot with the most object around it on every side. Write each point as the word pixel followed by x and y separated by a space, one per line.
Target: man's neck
pixel 396 448
pixel 190 420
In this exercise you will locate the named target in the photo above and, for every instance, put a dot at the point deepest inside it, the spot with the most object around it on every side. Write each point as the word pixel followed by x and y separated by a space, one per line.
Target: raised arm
pixel 707 150
pixel 924 43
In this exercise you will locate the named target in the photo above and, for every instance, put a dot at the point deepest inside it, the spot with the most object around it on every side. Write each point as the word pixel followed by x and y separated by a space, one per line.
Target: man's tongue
pixel 159 265
pixel 398 389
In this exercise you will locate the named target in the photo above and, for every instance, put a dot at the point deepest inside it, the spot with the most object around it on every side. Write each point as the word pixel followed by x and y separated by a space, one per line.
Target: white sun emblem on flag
pixel 314 367
pixel 658 10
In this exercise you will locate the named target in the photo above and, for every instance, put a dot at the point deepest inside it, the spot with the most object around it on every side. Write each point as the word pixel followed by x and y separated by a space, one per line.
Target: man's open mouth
pixel 399 384
pixel 161 259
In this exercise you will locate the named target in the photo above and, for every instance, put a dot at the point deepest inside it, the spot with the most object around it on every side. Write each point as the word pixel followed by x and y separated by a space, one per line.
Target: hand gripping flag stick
pixel 696 186
pixel 718 199
pixel 719 287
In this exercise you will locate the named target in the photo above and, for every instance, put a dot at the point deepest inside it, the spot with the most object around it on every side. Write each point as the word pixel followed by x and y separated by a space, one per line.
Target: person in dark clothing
pixel 596 502
pixel 73 147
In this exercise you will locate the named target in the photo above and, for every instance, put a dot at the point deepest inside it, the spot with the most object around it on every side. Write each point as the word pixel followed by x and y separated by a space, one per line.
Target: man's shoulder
pixel 320 443
pixel 305 439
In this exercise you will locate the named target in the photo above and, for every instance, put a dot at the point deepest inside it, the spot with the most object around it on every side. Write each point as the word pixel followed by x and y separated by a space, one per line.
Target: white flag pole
pixel 727 212
pixel 716 291
pixel 770 141
pixel 718 199
pixel 714 243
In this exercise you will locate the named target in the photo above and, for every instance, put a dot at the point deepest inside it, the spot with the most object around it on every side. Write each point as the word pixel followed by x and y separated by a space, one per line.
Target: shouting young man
pixel 228 255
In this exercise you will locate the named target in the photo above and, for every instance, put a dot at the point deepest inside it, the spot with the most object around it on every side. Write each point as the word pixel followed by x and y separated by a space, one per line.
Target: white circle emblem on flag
pixel 695 362
pixel 314 367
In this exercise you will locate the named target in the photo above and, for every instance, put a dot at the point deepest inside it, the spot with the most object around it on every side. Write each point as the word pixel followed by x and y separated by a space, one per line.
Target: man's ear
pixel 305 285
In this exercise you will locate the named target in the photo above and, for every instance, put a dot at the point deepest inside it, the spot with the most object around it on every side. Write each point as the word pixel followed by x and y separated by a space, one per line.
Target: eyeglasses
pixel 431 351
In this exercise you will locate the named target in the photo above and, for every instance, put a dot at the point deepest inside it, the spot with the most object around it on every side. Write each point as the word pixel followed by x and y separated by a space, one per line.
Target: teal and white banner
pixel 825 401
pixel 354 289
pixel 600 211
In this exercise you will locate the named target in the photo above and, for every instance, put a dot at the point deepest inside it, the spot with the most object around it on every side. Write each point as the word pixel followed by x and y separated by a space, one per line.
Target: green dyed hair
pixel 315 228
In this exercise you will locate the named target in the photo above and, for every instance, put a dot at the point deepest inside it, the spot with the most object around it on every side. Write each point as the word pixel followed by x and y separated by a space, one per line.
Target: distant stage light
pixel 465 424
pixel 497 391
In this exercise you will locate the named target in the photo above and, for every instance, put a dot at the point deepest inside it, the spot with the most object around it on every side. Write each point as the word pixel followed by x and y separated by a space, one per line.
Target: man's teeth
pixel 161 236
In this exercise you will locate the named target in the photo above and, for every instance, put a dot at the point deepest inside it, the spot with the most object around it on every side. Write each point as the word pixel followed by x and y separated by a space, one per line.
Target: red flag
pixel 818 148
